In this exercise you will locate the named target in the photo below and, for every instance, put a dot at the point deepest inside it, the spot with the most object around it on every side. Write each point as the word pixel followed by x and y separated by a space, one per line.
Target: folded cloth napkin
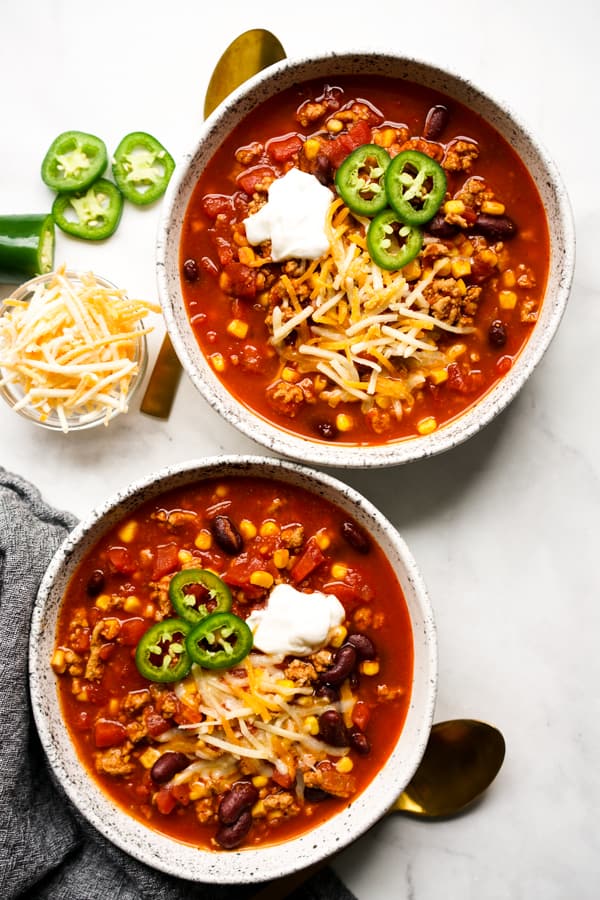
pixel 47 850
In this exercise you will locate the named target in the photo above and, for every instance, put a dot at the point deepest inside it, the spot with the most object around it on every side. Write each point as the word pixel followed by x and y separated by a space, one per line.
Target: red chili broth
pixel 250 498
pixel 403 102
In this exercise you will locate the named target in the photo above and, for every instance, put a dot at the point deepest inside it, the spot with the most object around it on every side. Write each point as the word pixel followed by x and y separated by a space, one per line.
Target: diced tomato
pixel 239 280
pixel 353 589
pixel 108 733
pixel 131 631
pixel 120 560
pixel 308 562
pixel 155 724
pixel 338 149
pixel 107 650
pixel 281 150
pixel 361 715
pixel 166 560
pixel 96 693
pixel 209 266
pixel 181 793
pixel 503 365
pixel 249 179
pixel 165 801
pixel 282 779
pixel 216 204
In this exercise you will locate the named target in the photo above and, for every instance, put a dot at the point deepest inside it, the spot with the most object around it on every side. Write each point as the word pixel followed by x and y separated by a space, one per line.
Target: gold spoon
pixel 248 54
pixel 462 758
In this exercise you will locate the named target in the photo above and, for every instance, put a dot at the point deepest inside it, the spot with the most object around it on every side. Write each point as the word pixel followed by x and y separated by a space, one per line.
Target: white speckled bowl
pixel 131 835
pixel 229 114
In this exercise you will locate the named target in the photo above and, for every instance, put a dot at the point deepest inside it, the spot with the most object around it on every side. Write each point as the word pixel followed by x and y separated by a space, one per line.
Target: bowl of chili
pixel 420 302
pixel 233 657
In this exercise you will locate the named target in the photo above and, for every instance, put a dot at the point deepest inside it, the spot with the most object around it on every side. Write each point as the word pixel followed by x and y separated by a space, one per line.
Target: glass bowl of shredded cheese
pixel 72 349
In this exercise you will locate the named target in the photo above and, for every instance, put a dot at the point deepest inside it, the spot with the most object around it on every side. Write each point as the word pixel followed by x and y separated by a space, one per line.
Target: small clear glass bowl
pixel 13 393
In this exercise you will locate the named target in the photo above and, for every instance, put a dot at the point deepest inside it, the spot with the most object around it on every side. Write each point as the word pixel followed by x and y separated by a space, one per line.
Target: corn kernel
pixel 488 256
pixel 456 350
pixel 509 279
pixel 246 255
pixel 149 611
pixel 461 287
pixel 344 422
pixel 369 667
pixel 323 540
pixel 113 706
pixel 218 362
pixel 507 299
pixel 492 208
pixel 238 328
pixel 461 267
pixel 304 701
pixel 334 126
pixel 248 529
pixel 258 810
pixel 466 248
pixel 344 765
pixel 261 579
pixel 311 148
pixel 320 383
pixel 339 570
pixel 438 376
pixel 58 662
pixel 132 604
pixel 427 425
pixel 260 781
pixel 269 528
pixel 445 268
pixel 221 490
pixel 203 540
pixel 311 725
pixel 83 695
pixel 281 557
pixel 385 138
pixel 412 271
pixel 149 757
pixel 286 684
pixel 456 207
pixel 184 556
pixel 291 376
pixel 128 531
pixel 198 791
pixel 338 636
pixel 102 602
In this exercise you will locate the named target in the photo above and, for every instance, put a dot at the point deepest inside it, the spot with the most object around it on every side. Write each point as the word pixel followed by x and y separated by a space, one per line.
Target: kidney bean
pixel 191 271
pixel 95 583
pixel 358 539
pixel 241 796
pixel 226 535
pixel 438 227
pixel 364 646
pixel 168 765
pixel 326 430
pixel 497 333
pixel 495 228
pixel 332 729
pixel 231 836
pixel 315 795
pixel 344 662
pixel 328 691
pixel 435 122
pixel 359 741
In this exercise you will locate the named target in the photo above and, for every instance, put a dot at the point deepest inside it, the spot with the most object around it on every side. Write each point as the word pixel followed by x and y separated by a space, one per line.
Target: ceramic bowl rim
pixel 135 838
pixel 472 420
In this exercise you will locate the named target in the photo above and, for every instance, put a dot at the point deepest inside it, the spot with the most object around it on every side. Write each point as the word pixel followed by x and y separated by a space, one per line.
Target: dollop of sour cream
pixel 293 218
pixel 293 622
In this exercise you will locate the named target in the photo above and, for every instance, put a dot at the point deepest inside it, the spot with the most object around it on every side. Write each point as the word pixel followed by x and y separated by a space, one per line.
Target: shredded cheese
pixel 359 321
pixel 71 350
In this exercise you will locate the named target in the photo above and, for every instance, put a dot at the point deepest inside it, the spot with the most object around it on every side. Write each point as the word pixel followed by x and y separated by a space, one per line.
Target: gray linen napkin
pixel 47 850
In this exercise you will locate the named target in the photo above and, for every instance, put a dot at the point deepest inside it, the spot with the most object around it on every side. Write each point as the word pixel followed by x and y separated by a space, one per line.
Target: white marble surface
pixel 505 527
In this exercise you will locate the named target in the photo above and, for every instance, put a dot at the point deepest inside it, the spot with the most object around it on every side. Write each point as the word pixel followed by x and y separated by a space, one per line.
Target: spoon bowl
pixel 462 758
